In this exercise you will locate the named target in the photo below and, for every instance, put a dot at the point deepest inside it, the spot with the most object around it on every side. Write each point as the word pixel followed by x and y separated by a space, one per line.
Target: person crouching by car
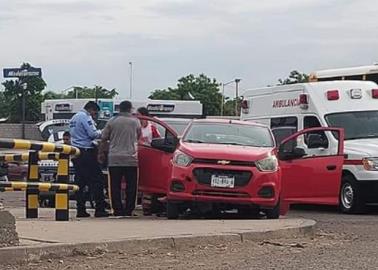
pixel 122 132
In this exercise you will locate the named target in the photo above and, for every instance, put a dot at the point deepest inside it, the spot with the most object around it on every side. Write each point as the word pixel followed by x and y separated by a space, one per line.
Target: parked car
pixel 3 172
pixel 17 171
pixel 226 164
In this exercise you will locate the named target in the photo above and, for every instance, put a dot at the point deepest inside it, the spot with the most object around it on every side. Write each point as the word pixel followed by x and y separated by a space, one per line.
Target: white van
pixel 352 105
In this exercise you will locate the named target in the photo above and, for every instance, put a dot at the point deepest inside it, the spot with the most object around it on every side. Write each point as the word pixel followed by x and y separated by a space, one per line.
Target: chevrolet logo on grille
pixel 224 162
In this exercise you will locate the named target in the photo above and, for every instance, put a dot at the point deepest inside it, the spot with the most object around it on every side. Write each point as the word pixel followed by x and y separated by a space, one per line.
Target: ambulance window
pixel 291 121
pixel 312 122
pixel 354 78
pixel 330 79
pixel 372 77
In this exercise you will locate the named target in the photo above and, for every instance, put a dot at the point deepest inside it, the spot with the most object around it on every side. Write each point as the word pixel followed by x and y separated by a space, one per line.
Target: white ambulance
pixel 352 105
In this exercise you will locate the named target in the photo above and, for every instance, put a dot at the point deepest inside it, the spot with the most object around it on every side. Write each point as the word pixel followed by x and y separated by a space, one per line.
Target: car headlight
pixel 370 164
pixel 182 159
pixel 268 164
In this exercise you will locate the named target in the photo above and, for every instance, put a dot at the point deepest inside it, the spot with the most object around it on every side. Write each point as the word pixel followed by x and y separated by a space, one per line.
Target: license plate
pixel 222 181
pixel 47 177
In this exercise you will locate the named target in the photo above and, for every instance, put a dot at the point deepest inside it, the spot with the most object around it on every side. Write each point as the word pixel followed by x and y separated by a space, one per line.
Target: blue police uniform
pixel 87 170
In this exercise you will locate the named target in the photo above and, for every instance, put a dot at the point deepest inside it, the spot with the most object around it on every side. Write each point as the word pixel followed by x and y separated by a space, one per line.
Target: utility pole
pixel 131 79
pixel 237 81
pixel 222 105
pixel 24 86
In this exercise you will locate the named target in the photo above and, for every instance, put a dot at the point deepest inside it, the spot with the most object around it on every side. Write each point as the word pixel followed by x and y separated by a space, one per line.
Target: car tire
pixel 273 213
pixel 351 196
pixel 172 210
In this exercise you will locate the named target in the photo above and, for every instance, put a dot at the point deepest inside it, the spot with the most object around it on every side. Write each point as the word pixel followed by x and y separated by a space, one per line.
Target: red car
pixel 223 164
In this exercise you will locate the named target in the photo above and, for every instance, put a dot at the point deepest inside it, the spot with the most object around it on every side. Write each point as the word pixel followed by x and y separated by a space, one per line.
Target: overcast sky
pixel 91 42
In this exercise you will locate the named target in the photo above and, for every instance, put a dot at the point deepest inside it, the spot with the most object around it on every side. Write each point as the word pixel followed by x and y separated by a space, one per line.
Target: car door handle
pixel 331 167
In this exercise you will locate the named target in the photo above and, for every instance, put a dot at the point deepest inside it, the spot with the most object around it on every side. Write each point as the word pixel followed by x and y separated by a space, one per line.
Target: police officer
pixel 87 170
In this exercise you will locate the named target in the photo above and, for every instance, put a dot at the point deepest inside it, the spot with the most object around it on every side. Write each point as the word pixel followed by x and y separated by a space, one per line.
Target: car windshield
pixel 232 133
pixel 357 125
pixel 179 127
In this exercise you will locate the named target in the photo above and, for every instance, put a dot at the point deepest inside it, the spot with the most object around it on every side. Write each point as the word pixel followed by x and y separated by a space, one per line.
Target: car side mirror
pixel 295 153
pixel 165 144
pixel 316 141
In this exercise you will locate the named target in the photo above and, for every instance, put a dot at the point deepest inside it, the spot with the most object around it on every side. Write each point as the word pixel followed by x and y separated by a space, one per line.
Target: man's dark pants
pixel 88 173
pixel 130 173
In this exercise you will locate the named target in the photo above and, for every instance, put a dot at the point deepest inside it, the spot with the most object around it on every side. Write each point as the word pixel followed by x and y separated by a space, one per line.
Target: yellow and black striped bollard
pixel 32 194
pixel 62 196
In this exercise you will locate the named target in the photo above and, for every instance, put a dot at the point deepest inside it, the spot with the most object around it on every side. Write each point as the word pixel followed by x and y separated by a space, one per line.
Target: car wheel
pixel 172 210
pixel 273 213
pixel 351 198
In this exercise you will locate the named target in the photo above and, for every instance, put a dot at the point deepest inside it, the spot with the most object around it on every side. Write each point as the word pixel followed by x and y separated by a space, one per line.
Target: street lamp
pixel 236 81
pixel 223 85
pixel 69 88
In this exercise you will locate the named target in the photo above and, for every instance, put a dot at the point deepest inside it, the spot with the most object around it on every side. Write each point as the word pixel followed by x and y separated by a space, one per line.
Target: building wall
pixel 14 131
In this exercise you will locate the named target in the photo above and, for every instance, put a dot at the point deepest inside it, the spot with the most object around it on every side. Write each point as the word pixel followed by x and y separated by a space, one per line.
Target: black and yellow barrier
pixel 62 208
pixel 42 151
pixel 38 146
pixel 22 186
pixel 22 157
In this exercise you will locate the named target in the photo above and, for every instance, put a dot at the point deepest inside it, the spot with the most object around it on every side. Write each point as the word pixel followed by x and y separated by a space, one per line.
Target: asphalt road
pixel 341 242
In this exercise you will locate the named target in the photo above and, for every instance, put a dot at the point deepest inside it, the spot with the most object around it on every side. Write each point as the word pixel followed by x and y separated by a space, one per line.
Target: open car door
pixel 308 176
pixel 155 159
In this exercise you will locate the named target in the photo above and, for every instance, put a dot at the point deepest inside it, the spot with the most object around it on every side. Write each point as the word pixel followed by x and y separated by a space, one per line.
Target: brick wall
pixel 14 131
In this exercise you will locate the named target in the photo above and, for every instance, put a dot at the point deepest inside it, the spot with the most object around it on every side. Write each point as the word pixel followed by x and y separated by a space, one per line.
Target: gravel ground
pixel 341 242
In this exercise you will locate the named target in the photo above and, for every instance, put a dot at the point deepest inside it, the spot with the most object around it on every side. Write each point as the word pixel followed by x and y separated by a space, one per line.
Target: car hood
pixel 225 152
pixel 362 147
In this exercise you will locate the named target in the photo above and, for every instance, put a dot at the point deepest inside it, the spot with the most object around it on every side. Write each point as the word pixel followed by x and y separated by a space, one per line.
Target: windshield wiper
pixel 194 141
pixel 232 143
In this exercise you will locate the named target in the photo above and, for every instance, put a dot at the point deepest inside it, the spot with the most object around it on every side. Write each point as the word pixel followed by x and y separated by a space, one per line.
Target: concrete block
pixel 8 234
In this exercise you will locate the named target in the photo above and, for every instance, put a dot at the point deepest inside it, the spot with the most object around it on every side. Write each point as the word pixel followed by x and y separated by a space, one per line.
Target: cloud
pixel 91 42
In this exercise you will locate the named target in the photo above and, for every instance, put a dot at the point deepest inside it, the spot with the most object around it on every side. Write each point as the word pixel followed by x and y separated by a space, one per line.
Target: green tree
pixel 95 92
pixel 229 107
pixel 3 106
pixel 200 88
pixel 294 77
pixel 52 95
pixel 13 93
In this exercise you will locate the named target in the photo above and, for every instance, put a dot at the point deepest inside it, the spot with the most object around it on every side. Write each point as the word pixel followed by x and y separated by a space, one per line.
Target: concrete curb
pixel 25 254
